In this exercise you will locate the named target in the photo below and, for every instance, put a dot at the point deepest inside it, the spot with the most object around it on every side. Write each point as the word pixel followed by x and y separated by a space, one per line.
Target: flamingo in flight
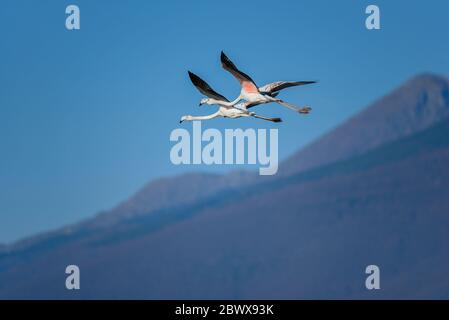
pixel 225 110
pixel 265 94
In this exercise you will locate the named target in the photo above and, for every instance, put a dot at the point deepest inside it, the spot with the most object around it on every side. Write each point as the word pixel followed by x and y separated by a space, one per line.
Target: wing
pixel 279 85
pixel 248 105
pixel 245 80
pixel 204 88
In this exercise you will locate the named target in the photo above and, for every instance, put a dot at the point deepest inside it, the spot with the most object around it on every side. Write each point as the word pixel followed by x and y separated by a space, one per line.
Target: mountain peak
pixel 429 90
pixel 427 78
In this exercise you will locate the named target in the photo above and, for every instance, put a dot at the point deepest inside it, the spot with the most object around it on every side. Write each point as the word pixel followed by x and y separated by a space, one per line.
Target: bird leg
pixel 303 110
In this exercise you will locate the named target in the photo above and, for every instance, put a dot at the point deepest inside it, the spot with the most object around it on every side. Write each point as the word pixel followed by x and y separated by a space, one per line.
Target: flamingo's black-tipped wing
pixel 228 65
pixel 280 85
pixel 204 88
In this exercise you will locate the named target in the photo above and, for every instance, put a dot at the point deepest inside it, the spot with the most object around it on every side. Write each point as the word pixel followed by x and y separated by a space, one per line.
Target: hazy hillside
pixel 308 234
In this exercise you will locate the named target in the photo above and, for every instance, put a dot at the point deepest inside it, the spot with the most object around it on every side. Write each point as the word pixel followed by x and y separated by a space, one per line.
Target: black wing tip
pixel 307 82
pixel 223 57
pixel 192 75
pixel 194 78
pixel 277 120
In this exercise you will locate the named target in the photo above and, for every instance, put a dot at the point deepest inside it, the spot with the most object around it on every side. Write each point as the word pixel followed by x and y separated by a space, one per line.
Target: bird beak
pixel 200 104
pixel 180 121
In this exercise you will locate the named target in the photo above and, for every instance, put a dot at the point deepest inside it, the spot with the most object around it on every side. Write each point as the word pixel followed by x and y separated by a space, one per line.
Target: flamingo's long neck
pixel 208 117
pixel 232 103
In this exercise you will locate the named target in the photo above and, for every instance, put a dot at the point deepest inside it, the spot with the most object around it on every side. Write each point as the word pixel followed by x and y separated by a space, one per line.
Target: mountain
pixel 308 233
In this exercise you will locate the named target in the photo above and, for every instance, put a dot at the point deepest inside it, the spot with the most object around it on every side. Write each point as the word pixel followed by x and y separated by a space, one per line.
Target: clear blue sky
pixel 85 116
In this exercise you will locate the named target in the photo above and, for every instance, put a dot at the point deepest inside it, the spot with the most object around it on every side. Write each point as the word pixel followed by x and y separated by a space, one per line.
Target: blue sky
pixel 85 116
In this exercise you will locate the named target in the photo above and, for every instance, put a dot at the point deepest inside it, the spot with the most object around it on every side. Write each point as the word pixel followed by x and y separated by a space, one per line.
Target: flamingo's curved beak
pixel 180 121
pixel 200 104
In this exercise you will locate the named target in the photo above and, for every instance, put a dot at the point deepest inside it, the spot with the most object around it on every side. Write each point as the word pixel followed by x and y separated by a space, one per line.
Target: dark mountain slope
pixel 309 235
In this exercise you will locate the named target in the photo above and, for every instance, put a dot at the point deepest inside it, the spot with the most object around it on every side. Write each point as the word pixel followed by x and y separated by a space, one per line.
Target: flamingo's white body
pixel 229 112
pixel 225 110
pixel 266 94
